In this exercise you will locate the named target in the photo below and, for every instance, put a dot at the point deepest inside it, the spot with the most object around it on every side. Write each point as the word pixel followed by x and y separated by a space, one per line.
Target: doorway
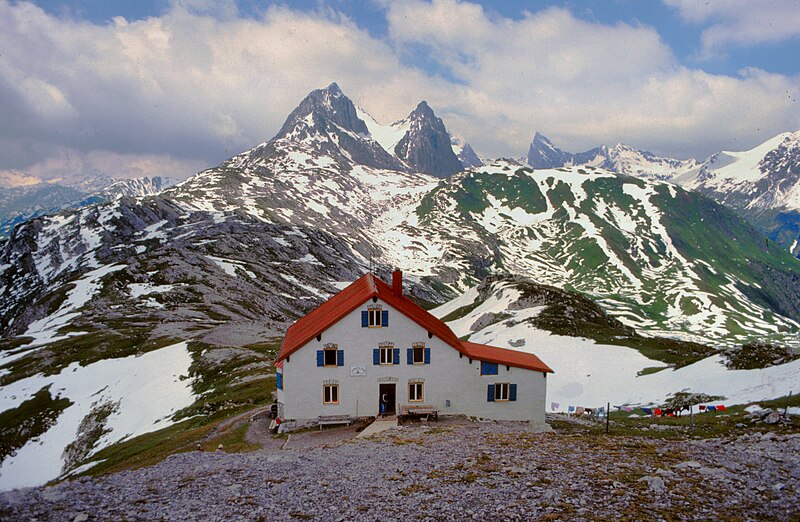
pixel 387 399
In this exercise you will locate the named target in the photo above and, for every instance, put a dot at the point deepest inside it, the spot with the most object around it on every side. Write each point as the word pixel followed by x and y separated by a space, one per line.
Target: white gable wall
pixel 449 376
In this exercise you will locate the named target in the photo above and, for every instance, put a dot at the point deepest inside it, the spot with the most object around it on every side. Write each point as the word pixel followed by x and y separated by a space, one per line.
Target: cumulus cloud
pixel 740 22
pixel 185 84
pixel 585 83
pixel 200 83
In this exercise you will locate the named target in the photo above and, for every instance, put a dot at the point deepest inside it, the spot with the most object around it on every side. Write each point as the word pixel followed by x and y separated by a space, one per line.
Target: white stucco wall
pixel 449 376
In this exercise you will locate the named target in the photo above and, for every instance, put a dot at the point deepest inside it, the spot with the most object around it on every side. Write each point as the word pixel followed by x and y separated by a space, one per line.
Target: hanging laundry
pixel 721 407
pixel 702 407
pixel 554 406
pixel 647 411
pixel 571 409
pixel 657 412
pixel 711 408
pixel 628 409
pixel 579 410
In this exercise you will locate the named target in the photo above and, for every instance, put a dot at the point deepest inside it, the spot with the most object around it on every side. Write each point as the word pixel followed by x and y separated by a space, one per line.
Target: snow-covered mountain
pixel 19 204
pixel 213 269
pixel 620 158
pixel 762 184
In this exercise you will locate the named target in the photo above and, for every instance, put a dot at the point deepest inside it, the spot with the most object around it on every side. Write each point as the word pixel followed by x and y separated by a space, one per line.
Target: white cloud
pixel 584 83
pixel 200 83
pixel 740 22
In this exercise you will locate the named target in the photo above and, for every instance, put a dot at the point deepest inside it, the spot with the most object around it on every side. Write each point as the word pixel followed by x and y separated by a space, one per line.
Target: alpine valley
pixel 132 326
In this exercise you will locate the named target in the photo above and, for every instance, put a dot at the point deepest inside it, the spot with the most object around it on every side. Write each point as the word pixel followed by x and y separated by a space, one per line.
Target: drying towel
pixel 554 406
pixel 711 408
pixel 571 409
pixel 702 407
pixel 647 411
pixel 579 410
pixel 721 407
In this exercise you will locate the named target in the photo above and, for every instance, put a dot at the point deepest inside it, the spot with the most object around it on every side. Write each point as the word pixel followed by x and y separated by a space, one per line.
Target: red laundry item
pixel 657 411
pixel 702 408
pixel 721 407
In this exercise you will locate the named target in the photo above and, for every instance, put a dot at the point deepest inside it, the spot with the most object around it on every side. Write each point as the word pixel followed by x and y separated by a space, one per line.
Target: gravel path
pixel 447 471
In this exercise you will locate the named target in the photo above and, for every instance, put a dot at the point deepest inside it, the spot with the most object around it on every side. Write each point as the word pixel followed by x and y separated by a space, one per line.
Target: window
pixel 387 354
pixel 330 394
pixel 501 392
pixel 415 392
pixel 330 356
pixel 279 380
pixel 419 354
pixel 488 368
pixel 374 317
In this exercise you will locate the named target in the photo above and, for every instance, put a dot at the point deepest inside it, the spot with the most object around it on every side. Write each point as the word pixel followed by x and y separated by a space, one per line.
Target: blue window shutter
pixel 488 368
pixel 320 358
pixel 410 354
pixel 385 318
pixel 279 381
pixel 376 356
pixel 396 355
pixel 427 355
pixel 512 392
pixel 339 357
pixel 364 319
pixel 490 393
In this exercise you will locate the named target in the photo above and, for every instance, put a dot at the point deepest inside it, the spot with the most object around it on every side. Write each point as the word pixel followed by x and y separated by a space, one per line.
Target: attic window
pixel 375 317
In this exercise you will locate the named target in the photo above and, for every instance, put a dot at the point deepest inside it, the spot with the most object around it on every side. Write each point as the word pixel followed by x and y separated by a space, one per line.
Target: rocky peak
pixel 426 145
pixel 320 109
pixel 542 154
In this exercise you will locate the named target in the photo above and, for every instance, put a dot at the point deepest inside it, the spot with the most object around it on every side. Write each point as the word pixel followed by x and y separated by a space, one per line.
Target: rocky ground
pixel 451 470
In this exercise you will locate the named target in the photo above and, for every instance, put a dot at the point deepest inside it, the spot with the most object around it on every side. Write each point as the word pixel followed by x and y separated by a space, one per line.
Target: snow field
pixel 146 391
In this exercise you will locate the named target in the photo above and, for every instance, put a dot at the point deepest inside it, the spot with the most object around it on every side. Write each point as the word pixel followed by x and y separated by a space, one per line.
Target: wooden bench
pixel 423 411
pixel 325 420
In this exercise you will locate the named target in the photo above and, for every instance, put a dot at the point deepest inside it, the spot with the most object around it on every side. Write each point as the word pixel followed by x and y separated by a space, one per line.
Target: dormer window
pixel 374 317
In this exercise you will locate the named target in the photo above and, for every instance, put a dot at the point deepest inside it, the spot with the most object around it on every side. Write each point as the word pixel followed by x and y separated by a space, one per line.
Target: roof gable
pixel 368 286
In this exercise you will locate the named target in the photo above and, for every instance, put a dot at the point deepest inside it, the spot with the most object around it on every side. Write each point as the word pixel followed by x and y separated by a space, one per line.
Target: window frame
pixel 498 386
pixel 414 351
pixel 325 351
pixel 420 397
pixel 325 394
pixel 375 313
pixel 382 350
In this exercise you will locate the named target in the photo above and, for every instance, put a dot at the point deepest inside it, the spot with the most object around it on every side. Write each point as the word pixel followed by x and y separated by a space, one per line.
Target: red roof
pixel 513 358
pixel 368 286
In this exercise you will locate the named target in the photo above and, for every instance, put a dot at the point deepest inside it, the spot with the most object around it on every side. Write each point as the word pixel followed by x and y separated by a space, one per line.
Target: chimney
pixel 397 281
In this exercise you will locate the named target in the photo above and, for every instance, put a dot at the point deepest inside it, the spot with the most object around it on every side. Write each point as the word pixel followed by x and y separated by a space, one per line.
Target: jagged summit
pixel 426 145
pixel 327 123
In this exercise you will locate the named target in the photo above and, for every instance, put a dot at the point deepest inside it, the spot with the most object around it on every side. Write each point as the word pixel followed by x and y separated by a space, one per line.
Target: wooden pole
pixel 608 411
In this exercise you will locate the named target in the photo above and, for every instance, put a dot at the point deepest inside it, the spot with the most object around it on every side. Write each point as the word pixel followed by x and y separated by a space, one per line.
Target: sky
pixel 170 87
